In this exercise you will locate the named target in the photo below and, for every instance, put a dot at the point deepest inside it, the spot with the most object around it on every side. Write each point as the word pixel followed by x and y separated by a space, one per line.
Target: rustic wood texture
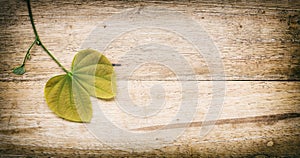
pixel 259 46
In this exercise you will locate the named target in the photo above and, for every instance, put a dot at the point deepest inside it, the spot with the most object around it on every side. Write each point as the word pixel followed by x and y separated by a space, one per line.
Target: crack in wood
pixel 264 118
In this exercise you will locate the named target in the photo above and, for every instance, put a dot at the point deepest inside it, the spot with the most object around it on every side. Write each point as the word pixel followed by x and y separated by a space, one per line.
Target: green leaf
pixel 68 95
pixel 67 99
pixel 19 70
pixel 95 73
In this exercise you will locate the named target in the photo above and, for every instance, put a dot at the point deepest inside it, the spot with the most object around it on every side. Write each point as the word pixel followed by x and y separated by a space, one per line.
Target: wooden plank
pixel 28 126
pixel 255 43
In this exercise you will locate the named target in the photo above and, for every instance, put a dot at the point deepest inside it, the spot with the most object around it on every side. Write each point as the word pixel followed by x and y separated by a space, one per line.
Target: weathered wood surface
pixel 259 41
pixel 259 46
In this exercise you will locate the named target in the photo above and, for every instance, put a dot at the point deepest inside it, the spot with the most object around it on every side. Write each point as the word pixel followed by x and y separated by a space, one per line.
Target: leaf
pixel 95 73
pixel 67 99
pixel 19 70
pixel 68 95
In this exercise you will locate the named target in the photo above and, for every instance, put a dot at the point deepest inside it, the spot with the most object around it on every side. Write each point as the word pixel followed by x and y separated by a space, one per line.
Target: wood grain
pixel 255 43
pixel 258 44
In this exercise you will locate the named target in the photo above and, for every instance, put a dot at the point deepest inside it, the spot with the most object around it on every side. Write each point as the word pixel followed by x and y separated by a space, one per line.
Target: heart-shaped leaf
pixel 95 73
pixel 68 95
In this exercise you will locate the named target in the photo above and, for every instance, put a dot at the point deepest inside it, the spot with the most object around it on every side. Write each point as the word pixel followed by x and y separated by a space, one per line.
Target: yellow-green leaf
pixel 95 73
pixel 68 95
pixel 67 99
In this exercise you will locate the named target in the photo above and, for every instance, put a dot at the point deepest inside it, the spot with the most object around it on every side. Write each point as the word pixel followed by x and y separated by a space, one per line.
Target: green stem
pixel 32 22
pixel 48 52
pixel 28 51
pixel 39 42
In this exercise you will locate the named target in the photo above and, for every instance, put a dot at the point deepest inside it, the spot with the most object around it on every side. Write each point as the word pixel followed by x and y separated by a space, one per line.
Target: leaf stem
pixel 32 22
pixel 39 42
pixel 58 63
pixel 28 52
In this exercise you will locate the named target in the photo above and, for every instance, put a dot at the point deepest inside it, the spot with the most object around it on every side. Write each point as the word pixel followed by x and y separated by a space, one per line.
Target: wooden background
pixel 259 46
